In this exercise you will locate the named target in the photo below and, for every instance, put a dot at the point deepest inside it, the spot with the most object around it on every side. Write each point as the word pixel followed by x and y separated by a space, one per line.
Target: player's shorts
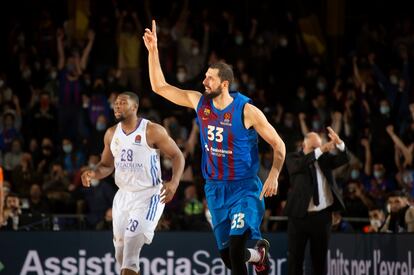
pixel 136 212
pixel 235 207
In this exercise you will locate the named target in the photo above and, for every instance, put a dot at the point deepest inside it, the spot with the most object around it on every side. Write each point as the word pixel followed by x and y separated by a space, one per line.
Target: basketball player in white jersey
pixel 132 148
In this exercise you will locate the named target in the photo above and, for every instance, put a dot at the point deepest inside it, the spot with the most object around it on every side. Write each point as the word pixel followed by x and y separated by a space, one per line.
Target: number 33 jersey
pixel 229 150
pixel 137 165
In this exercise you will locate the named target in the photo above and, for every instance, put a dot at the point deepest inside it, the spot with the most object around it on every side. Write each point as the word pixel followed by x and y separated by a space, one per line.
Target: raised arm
pixel 186 98
pixel 60 49
pixel 106 166
pixel 87 50
pixel 255 118
pixel 158 138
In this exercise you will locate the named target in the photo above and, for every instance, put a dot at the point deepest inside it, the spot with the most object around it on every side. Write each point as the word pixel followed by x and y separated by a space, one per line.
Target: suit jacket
pixel 299 168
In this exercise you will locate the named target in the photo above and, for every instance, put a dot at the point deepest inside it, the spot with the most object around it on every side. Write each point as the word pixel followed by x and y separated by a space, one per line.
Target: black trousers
pixel 315 227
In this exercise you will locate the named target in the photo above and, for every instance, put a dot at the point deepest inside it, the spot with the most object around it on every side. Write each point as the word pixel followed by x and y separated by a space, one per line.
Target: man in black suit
pixel 313 196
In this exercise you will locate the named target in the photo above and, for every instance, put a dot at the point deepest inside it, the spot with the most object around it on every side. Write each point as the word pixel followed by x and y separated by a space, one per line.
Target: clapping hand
pixel 333 136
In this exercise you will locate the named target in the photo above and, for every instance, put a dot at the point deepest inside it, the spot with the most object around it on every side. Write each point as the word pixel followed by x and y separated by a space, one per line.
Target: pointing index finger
pixel 154 27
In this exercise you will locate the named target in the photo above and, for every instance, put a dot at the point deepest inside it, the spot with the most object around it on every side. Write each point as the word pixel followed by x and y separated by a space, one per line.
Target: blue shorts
pixel 235 207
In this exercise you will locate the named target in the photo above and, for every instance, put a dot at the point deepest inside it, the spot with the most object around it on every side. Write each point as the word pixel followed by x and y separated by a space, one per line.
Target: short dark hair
pixel 225 71
pixel 132 96
pixel 398 193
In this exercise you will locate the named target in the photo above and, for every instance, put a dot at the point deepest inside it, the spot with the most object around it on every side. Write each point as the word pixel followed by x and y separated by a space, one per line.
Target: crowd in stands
pixel 60 77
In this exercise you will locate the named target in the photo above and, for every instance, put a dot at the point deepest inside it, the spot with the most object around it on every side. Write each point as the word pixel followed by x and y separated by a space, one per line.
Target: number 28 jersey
pixel 229 150
pixel 137 165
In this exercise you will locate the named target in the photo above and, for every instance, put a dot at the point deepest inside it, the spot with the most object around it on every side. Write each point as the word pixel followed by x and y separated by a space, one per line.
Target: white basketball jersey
pixel 137 166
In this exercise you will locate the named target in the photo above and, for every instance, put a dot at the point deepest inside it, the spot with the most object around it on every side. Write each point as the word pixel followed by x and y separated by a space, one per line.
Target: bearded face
pixel 213 93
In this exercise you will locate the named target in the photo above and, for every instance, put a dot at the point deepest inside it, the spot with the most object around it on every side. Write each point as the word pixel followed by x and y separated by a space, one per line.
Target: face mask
pixel 407 177
pixel 316 125
pixel 100 126
pixel 70 68
pixel 394 79
pixel 16 150
pixel 195 51
pixel 252 87
pixel 94 182
pixel 167 163
pixel 26 74
pixel 378 174
pixel 92 166
pixel 234 86
pixel 384 109
pixel 7 94
pixel 67 148
pixel 354 174
pixel 87 82
pixel 1 83
pixel 283 42
pixel 288 123
pixel 375 223
pixel 53 75
pixel 238 40
pixel 301 96
pixel 110 79
pixel 321 86
pixel 37 66
pixel 181 77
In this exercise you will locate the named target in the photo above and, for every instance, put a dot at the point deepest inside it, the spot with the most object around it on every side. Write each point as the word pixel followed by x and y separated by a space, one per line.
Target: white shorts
pixel 138 212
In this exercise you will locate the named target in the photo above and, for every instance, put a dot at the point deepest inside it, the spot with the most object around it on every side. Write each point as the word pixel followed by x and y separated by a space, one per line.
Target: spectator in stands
pixel 106 223
pixel 193 211
pixel 23 175
pixel 129 47
pixel 71 157
pixel 38 203
pixel 376 220
pixel 357 202
pixel 12 212
pixel 401 214
pixel 14 157
pixel 339 224
pixel 71 67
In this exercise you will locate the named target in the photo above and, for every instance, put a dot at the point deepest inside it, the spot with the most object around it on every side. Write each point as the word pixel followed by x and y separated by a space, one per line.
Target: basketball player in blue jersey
pixel 132 148
pixel 229 125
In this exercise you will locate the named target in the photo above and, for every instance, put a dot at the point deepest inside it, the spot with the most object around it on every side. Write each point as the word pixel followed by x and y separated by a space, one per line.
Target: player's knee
pixel 237 249
pixel 225 256
pixel 132 249
pixel 119 247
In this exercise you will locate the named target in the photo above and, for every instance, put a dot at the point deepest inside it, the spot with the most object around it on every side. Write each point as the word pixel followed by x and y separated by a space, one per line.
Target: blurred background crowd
pixel 307 66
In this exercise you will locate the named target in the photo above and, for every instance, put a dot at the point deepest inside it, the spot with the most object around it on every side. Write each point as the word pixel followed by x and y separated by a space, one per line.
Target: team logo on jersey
pixel 138 139
pixel 227 119
pixel 207 111
pixel 205 114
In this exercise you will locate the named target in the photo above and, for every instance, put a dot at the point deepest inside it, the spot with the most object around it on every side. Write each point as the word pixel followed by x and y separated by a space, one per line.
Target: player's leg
pixel 140 229
pixel 246 216
pixel 119 223
pixel 239 254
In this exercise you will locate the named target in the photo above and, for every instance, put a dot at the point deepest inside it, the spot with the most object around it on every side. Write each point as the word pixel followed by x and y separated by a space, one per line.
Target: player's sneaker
pixel 262 267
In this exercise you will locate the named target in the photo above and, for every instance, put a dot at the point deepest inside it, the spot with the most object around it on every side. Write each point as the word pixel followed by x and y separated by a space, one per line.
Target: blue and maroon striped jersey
pixel 230 151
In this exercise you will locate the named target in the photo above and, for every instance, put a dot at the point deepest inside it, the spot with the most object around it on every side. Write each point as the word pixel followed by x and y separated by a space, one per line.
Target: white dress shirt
pixel 325 194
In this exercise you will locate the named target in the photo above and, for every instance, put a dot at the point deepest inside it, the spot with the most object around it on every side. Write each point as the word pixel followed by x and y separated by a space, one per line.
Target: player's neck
pixel 222 101
pixel 130 124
